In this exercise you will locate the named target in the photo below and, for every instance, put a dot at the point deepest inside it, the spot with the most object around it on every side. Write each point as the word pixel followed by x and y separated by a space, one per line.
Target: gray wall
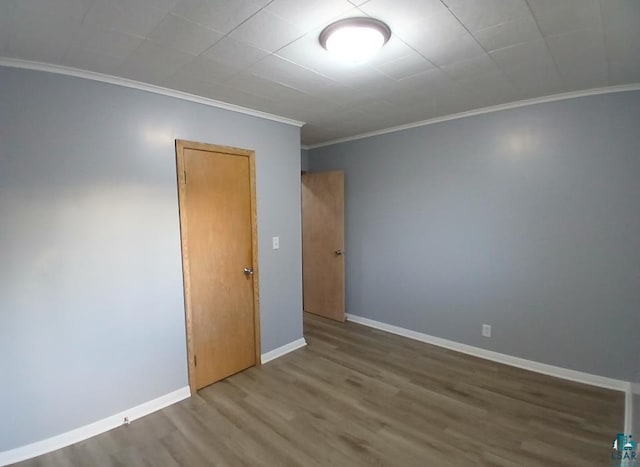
pixel 91 298
pixel 525 219
pixel 304 159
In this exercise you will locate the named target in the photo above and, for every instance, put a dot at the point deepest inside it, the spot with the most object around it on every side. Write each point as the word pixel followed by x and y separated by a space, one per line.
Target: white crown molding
pixel 484 110
pixel 80 434
pixel 285 349
pixel 550 370
pixel 93 76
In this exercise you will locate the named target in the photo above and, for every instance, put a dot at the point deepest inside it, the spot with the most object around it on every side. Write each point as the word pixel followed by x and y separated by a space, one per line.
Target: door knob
pixel 248 271
pixel 338 252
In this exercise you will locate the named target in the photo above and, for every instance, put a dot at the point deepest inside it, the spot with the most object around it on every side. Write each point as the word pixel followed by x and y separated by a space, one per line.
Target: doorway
pixel 323 244
pixel 218 226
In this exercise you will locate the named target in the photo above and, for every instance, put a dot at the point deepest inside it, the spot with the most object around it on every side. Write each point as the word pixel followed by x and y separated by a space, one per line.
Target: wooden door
pixel 219 248
pixel 323 244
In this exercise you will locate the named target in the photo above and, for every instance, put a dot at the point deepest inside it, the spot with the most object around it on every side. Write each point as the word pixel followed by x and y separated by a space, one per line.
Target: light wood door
pixel 217 217
pixel 323 244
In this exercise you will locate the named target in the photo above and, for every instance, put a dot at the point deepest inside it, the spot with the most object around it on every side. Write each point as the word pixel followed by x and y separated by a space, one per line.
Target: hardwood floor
pixel 358 396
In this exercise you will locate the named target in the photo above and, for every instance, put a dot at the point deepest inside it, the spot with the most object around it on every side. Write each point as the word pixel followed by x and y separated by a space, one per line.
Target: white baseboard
pixel 550 370
pixel 85 432
pixel 634 390
pixel 558 372
pixel 80 434
pixel 628 410
pixel 285 349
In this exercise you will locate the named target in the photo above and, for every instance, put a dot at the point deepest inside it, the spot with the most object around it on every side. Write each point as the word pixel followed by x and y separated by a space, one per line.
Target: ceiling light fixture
pixel 354 40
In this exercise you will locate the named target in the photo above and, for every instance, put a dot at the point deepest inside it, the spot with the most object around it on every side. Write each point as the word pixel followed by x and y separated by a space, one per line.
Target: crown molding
pixel 128 83
pixel 484 110
pixel 100 77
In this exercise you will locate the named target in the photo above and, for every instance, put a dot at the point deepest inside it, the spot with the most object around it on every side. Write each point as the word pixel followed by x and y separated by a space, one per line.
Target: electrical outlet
pixel 275 243
pixel 486 330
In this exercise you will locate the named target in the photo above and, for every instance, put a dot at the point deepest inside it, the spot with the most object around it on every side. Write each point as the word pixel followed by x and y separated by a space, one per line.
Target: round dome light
pixel 355 40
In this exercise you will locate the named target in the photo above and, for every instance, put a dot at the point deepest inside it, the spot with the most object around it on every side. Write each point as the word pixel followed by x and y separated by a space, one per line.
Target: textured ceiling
pixel 444 57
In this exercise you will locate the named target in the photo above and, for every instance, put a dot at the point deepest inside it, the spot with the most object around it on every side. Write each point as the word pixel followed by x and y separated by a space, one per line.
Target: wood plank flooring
pixel 356 396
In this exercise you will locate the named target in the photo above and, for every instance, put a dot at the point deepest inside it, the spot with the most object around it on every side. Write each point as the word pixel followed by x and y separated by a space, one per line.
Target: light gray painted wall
pixel 304 159
pixel 525 219
pixel 91 298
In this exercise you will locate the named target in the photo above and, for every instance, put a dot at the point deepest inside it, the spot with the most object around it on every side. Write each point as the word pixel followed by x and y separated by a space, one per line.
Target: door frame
pixel 181 145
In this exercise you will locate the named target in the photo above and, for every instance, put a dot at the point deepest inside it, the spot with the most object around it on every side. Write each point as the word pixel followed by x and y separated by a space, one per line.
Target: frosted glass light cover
pixel 354 44
pixel 354 40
